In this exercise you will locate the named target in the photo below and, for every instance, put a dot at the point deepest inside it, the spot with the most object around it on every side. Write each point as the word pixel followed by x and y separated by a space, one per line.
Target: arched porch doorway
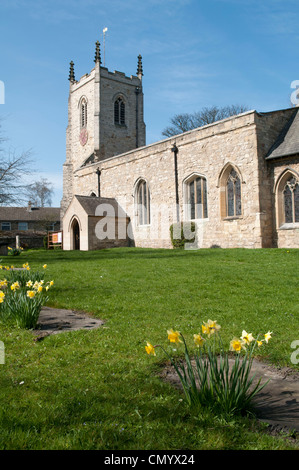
pixel 75 235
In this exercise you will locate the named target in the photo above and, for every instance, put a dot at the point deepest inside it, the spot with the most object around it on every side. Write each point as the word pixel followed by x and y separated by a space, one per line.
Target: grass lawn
pixel 99 389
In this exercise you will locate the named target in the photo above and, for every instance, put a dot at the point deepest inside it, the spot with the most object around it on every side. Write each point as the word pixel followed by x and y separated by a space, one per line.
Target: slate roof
pixel 90 204
pixel 288 141
pixel 34 215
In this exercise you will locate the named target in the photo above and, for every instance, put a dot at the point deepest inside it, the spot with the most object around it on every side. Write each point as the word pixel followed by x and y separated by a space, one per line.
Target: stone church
pixel 236 179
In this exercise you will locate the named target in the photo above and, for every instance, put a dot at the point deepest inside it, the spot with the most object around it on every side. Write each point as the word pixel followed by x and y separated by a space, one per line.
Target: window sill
pixel 122 126
pixel 235 217
pixel 289 226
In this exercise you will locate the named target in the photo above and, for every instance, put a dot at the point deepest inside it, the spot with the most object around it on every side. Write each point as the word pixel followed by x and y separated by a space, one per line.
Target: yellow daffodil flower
pixel 150 349
pixel 44 266
pixel 51 283
pixel 2 296
pixel 29 284
pixel 247 337
pixel 30 294
pixel 259 343
pixel 40 289
pixel 198 340
pixel 174 336
pixel 268 336
pixel 210 327
pixel 237 345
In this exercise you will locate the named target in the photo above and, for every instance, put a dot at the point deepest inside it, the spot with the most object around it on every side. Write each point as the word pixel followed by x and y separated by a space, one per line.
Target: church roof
pixel 90 204
pixel 288 141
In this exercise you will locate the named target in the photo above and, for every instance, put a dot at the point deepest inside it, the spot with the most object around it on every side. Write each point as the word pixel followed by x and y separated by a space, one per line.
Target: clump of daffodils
pixel 22 295
pixel 211 378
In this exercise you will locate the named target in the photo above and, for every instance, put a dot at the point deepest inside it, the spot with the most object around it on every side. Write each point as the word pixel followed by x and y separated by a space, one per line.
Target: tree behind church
pixel 187 121
pixel 13 169
pixel 40 193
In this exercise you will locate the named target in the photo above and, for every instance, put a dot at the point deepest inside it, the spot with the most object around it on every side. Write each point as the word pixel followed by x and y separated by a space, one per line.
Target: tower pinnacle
pixel 97 57
pixel 139 67
pixel 72 73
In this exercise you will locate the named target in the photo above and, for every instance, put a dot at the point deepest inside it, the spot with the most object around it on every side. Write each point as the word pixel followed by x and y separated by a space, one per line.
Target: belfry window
pixel 197 198
pixel 291 201
pixel 233 195
pixel 119 112
pixel 83 113
pixel 143 203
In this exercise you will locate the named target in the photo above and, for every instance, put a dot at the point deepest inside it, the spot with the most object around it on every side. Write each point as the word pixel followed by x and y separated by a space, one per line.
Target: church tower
pixel 105 118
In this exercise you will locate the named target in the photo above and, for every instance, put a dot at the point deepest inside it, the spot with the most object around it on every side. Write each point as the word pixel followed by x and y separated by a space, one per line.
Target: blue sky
pixel 195 53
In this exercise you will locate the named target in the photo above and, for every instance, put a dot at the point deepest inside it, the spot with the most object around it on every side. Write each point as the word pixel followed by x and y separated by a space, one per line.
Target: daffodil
pixel 247 337
pixel 198 340
pixel 259 343
pixel 150 349
pixel 29 284
pixel 51 283
pixel 30 294
pixel 174 336
pixel 210 327
pixel 3 283
pixel 40 289
pixel 268 336
pixel 15 286
pixel 2 296
pixel 44 266
pixel 237 345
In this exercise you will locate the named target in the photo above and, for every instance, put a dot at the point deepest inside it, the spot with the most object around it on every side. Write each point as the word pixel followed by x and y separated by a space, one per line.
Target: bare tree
pixel 40 193
pixel 13 168
pixel 188 121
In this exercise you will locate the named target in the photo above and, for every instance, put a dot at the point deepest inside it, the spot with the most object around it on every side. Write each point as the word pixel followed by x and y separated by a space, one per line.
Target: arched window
pixel 83 112
pixel 291 200
pixel 233 194
pixel 119 111
pixel 230 192
pixel 143 203
pixel 196 197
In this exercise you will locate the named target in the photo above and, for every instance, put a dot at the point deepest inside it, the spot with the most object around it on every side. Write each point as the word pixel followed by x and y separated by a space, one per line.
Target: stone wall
pixel 287 236
pixel 204 151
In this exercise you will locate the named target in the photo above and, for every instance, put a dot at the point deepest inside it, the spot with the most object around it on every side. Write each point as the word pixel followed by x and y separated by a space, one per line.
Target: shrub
pixel 187 231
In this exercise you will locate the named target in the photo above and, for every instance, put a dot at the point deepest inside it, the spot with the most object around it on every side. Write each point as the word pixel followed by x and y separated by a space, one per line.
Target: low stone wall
pixel 27 240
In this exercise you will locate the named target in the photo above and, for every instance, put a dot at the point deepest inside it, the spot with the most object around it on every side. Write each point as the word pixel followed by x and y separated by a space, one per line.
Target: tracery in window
pixel 143 203
pixel 196 190
pixel 233 194
pixel 119 111
pixel 291 200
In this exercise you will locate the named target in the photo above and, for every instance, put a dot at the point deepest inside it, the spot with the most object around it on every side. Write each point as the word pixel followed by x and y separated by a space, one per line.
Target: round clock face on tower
pixel 83 136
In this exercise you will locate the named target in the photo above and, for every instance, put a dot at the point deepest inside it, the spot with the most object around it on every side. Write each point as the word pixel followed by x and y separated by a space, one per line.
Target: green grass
pixel 99 389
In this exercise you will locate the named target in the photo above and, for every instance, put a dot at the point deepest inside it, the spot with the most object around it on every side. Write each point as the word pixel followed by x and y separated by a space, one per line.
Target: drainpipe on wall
pixel 175 151
pixel 98 172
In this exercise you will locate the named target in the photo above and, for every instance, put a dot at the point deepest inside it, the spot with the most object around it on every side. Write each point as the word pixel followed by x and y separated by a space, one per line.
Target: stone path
pixel 277 404
pixel 56 320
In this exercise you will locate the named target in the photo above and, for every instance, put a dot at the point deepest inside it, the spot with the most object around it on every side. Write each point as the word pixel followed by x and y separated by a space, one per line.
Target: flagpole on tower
pixel 104 33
